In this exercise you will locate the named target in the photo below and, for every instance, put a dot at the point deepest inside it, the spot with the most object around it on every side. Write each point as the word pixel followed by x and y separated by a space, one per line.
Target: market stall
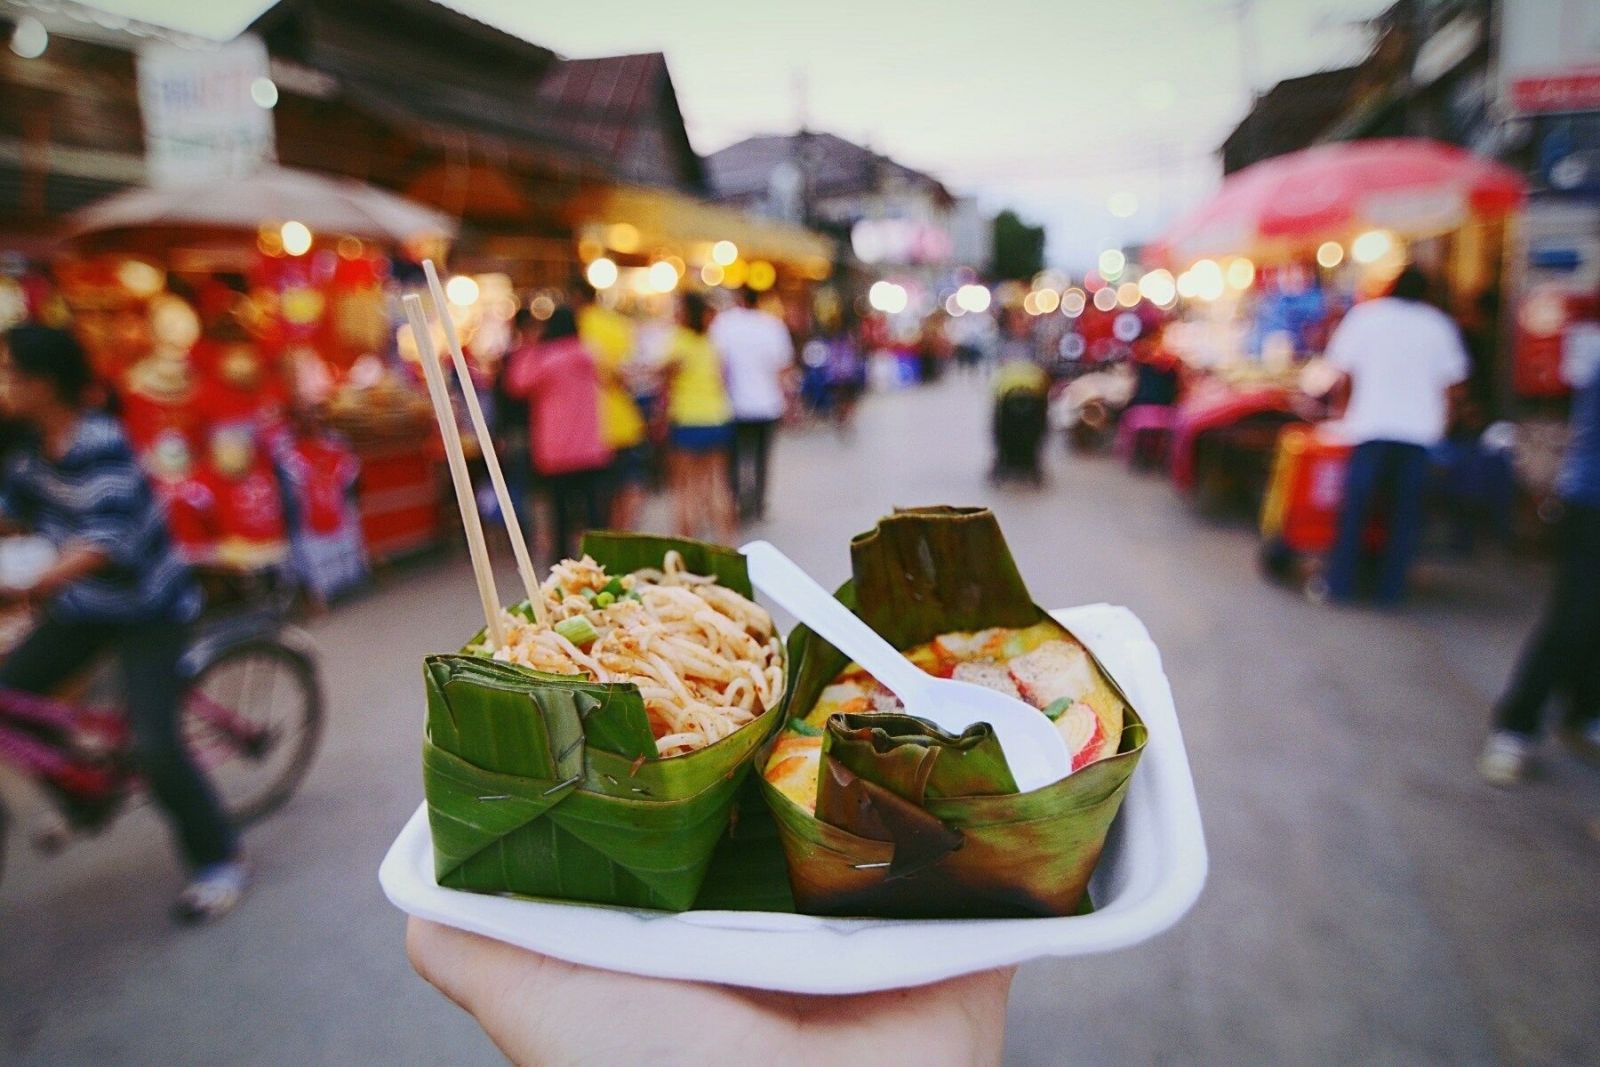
pixel 245 328
pixel 1271 262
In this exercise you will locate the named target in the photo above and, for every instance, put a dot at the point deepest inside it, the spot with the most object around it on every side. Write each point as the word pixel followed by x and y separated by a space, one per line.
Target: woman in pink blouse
pixel 559 378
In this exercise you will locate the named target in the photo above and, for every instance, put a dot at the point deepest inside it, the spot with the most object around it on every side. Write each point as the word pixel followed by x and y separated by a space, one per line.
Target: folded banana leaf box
pixel 914 823
pixel 548 785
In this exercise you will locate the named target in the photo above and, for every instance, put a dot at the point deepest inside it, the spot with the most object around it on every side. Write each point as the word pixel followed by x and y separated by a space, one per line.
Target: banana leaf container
pixel 548 785
pixel 912 822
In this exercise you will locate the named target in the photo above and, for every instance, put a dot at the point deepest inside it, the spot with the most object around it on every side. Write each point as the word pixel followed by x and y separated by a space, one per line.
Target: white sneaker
pixel 1505 758
pixel 213 892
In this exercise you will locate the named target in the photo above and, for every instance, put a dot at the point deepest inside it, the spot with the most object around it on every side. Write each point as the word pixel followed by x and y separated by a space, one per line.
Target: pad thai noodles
pixel 706 660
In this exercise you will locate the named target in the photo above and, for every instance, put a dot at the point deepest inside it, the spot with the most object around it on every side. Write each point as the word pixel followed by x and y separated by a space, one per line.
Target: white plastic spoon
pixel 1036 753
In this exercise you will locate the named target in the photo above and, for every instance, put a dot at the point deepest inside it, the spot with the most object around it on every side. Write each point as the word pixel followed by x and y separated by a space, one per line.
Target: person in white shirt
pixel 1402 357
pixel 757 351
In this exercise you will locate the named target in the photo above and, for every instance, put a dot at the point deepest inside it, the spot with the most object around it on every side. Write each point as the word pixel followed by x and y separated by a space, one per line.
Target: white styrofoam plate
pixel 1151 872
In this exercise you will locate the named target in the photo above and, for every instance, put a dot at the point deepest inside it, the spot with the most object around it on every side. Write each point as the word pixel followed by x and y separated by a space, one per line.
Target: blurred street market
pixel 331 330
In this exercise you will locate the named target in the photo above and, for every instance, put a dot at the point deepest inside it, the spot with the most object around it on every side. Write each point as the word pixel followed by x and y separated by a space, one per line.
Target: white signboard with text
pixel 201 120
pixel 1550 56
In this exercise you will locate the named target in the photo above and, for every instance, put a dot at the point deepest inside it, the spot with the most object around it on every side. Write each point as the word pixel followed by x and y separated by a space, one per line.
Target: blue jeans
pixel 1389 475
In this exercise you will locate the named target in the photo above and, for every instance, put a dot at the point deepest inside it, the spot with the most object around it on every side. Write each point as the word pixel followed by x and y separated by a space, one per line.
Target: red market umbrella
pixel 1411 186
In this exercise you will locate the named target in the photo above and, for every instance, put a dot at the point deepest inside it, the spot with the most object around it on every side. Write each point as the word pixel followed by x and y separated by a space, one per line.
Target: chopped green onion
pixel 589 594
pixel 605 599
pixel 1057 708
pixel 800 726
pixel 614 587
pixel 579 630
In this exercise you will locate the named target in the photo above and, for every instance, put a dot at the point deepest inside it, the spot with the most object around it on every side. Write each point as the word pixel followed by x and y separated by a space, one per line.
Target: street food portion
pixel 706 659
pixel 1041 664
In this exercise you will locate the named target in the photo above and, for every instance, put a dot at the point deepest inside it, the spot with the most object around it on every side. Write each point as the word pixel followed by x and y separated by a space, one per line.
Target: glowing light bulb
pixel 1330 254
pixel 461 291
pixel 296 237
pixel 601 273
pixel 1371 246
pixel 724 253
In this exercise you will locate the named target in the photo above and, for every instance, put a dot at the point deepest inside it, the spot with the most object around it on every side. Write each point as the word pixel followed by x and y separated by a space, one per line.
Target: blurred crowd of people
pixel 593 410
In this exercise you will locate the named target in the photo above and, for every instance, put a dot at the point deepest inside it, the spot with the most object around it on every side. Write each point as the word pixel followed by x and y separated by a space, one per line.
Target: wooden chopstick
pixel 491 461
pixel 477 548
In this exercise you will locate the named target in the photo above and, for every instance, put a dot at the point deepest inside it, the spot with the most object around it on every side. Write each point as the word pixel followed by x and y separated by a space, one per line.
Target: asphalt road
pixel 1369 902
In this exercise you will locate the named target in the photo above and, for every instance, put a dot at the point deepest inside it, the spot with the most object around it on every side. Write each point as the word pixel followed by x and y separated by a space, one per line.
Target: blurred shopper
pixel 1563 653
pixel 701 427
pixel 610 340
pixel 512 441
pixel 757 351
pixel 1402 356
pixel 116 584
pixel 1021 404
pixel 559 378
pixel 845 370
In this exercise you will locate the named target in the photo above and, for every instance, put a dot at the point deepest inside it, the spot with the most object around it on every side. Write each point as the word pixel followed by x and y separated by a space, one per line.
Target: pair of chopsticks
pixel 466 500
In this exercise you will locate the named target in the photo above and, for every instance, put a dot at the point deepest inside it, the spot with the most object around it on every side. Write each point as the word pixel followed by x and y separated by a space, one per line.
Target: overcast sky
pixel 1050 107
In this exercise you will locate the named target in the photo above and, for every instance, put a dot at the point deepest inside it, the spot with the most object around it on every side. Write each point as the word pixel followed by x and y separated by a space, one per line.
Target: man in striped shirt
pixel 116 583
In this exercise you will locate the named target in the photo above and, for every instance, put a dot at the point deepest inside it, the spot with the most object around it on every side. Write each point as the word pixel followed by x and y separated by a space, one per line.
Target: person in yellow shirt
pixel 701 419
pixel 609 338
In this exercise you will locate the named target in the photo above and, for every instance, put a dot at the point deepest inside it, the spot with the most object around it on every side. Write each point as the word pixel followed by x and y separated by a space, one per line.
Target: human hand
pixel 544 1012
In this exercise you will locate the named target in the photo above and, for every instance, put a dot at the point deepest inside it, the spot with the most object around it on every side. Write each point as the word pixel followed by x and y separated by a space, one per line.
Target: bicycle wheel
pixel 252 718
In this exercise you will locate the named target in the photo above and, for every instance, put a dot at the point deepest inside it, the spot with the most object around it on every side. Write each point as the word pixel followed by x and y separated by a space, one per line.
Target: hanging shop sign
pixel 207 112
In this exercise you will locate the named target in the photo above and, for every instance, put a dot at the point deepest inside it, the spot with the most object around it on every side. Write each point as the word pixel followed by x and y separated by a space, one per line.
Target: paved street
pixel 1370 902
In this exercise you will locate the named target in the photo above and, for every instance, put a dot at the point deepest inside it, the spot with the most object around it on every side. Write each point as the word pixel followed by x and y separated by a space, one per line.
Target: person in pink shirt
pixel 561 382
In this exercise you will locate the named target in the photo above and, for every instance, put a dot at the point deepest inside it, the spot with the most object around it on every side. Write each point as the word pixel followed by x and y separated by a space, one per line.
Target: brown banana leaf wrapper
pixel 912 822
pixel 551 786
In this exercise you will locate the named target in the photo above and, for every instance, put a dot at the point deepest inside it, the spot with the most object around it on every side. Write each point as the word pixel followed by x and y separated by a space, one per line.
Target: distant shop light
pixel 1047 299
pixel 763 275
pixel 461 291
pixel 29 38
pixel 141 279
pixel 735 274
pixel 1105 298
pixel 887 297
pixel 1030 303
pixel 264 91
pixel 1371 246
pixel 623 236
pixel 1128 294
pixel 296 237
pixel 1207 279
pixel 663 277
pixel 1240 273
pixel 1159 287
pixel 1073 302
pixel 952 307
pixel 1330 254
pixel 1112 260
pixel 542 306
pixel 711 275
pixel 723 253
pixel 602 273
pixel 974 298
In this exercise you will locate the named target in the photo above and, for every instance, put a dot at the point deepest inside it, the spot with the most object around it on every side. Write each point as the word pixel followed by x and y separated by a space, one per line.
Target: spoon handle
pixel 780 578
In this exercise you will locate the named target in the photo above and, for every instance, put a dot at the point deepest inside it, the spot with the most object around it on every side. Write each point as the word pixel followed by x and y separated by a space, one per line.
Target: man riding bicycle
pixel 116 583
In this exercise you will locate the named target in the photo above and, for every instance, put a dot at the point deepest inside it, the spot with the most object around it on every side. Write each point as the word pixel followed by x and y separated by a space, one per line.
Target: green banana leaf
pixel 912 822
pixel 551 786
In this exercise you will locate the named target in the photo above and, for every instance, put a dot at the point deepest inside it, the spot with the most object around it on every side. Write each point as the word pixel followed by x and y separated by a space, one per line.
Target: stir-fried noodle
pixel 705 659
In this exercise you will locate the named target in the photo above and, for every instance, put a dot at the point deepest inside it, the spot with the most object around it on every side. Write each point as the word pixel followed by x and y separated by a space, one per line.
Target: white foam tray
pixel 1150 874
